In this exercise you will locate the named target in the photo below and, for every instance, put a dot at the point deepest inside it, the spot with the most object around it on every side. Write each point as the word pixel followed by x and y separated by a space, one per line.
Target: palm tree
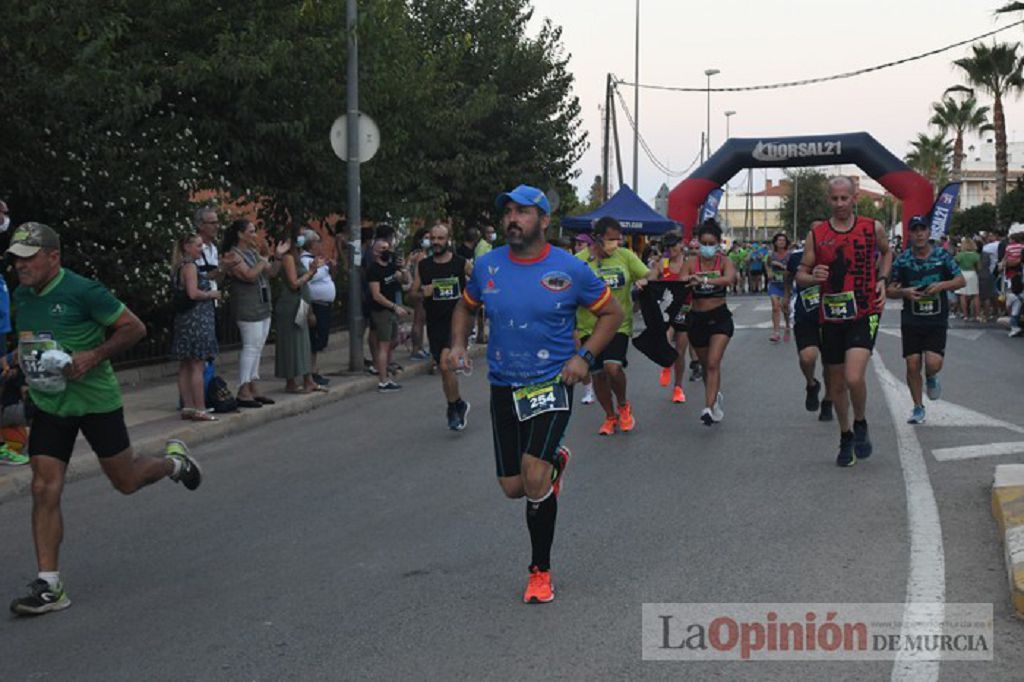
pixel 997 71
pixel 959 117
pixel 930 157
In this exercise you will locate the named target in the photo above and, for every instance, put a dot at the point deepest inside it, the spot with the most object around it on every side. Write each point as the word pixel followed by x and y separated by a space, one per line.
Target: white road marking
pixel 762 307
pixel 926 577
pixel 976 451
pixel 757 325
pixel 966 334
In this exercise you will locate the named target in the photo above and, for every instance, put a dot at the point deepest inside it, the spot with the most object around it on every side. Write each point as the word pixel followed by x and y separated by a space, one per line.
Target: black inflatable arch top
pixel 861 149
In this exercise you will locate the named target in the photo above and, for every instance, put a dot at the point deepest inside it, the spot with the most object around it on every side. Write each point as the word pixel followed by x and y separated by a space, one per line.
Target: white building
pixel 978 170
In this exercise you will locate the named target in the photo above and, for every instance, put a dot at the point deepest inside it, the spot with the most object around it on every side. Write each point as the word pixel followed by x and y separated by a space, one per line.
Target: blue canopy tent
pixel 630 210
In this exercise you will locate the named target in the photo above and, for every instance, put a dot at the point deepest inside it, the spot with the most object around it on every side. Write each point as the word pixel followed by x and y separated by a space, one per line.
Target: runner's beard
pixel 522 239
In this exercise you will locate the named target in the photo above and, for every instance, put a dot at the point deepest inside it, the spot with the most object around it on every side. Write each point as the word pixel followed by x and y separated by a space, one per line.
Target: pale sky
pixel 754 43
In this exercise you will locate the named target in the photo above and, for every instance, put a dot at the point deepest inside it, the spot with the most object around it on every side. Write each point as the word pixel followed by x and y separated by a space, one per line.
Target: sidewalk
pixel 151 399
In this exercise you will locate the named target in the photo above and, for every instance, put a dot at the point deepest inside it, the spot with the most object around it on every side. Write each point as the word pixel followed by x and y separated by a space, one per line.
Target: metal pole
pixel 618 149
pixel 636 102
pixel 750 189
pixel 355 319
pixel 796 202
pixel 605 161
pixel 707 134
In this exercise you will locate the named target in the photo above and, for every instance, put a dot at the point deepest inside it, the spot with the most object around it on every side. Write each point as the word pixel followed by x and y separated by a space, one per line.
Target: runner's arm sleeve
pixel 637 268
pixel 102 305
pixel 593 292
pixel 471 294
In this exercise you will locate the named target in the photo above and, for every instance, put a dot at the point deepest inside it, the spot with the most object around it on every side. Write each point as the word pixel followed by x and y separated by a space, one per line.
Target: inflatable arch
pixel 861 149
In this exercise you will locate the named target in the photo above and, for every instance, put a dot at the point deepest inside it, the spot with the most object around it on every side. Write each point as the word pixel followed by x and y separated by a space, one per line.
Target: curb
pixel 1008 510
pixel 18 482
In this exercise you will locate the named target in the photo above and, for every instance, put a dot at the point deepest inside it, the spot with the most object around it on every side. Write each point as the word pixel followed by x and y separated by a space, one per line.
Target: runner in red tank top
pixel 845 255
pixel 671 271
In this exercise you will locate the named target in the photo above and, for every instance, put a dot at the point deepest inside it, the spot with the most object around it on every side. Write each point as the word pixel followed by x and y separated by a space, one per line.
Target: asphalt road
pixel 365 540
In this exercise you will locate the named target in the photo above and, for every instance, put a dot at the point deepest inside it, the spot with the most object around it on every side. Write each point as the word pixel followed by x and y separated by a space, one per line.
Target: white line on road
pixel 926 578
pixel 975 451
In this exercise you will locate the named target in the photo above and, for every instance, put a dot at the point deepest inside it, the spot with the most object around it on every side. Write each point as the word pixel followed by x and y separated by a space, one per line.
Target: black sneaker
pixel 453 421
pixel 371 369
pixel 861 442
pixel 321 380
pixel 189 475
pixel 461 410
pixel 696 372
pixel 846 458
pixel 826 411
pixel 388 386
pixel 41 599
pixel 811 402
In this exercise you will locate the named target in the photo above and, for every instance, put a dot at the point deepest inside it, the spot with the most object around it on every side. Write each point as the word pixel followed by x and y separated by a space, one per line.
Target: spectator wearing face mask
pixel 386 276
pixel 292 352
pixel 322 293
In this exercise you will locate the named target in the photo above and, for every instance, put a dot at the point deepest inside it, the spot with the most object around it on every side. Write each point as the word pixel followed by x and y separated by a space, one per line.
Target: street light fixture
pixel 729 114
pixel 707 134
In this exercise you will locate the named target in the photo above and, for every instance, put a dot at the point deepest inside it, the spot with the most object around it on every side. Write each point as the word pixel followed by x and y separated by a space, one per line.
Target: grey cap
pixel 28 238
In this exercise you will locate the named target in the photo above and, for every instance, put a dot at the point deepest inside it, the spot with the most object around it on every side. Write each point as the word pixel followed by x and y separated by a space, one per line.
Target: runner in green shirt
pixel 63 349
pixel 621 269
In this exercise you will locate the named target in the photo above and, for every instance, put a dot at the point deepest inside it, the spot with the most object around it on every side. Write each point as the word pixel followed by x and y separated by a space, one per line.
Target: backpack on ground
pixel 219 398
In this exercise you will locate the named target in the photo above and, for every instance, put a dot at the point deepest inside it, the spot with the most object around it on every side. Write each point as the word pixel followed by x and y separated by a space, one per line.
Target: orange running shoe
pixel 538 589
pixel 666 376
pixel 608 428
pixel 562 457
pixel 677 395
pixel 626 421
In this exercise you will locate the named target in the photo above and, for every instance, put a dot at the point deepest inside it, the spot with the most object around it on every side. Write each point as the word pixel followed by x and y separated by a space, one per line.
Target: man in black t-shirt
pixel 386 275
pixel 441 279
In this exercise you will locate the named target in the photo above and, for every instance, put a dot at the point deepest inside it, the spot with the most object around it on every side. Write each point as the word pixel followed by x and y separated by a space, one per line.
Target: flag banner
pixel 709 209
pixel 942 212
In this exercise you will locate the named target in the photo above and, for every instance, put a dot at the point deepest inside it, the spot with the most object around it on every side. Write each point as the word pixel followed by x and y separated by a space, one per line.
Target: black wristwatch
pixel 586 355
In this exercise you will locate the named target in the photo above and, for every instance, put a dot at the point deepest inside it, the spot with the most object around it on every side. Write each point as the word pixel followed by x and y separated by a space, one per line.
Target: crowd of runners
pixel 559 314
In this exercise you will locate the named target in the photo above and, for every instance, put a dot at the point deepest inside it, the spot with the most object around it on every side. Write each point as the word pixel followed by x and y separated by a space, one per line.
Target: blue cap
pixel 525 195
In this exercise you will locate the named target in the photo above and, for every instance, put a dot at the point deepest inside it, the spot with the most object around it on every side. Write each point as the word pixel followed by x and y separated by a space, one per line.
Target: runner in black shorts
pixel 530 293
pixel 58 311
pixel 712 273
pixel 921 276
pixel 848 256
pixel 807 331
pixel 671 271
pixel 441 278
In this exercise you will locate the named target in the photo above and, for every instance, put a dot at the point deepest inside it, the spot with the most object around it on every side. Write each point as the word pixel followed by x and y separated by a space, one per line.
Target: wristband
pixel 586 355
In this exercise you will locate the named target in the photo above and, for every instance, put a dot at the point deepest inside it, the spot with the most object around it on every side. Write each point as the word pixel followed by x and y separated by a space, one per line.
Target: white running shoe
pixel 718 411
pixel 588 394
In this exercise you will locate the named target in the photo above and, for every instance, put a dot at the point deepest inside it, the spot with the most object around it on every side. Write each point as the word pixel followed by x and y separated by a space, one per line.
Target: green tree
pixel 929 156
pixel 595 196
pixel 959 117
pixel 810 204
pixel 1011 209
pixel 973 220
pixel 996 70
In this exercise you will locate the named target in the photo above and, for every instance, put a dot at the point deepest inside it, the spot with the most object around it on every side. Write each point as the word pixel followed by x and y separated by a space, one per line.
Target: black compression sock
pixel 540 520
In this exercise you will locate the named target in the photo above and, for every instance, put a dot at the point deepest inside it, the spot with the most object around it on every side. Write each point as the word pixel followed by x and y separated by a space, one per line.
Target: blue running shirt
pixel 912 272
pixel 532 308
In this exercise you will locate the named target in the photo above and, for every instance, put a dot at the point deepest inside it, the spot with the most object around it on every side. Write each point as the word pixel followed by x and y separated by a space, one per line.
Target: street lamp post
pixel 707 135
pixel 636 102
pixel 729 114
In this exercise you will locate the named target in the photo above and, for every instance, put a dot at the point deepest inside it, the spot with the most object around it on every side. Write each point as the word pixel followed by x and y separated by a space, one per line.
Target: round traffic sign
pixel 369 137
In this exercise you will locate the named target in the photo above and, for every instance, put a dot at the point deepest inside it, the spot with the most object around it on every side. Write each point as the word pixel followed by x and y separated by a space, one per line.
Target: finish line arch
pixel 737 154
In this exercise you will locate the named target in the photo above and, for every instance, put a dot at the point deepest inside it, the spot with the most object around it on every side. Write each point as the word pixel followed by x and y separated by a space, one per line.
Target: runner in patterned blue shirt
pixel 921 276
pixel 530 293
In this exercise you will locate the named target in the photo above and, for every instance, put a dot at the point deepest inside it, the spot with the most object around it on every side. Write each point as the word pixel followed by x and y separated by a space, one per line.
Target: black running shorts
pixel 539 436
pixel 807 334
pixel 55 436
pixel 707 323
pixel 614 352
pixel 439 336
pixel 919 338
pixel 839 337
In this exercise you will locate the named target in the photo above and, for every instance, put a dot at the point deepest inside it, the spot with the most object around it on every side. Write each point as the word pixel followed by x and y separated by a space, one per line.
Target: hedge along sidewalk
pixel 151 399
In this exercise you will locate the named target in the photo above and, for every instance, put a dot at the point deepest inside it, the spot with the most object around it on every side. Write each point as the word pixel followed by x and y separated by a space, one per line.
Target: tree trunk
pixel 999 123
pixel 958 154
